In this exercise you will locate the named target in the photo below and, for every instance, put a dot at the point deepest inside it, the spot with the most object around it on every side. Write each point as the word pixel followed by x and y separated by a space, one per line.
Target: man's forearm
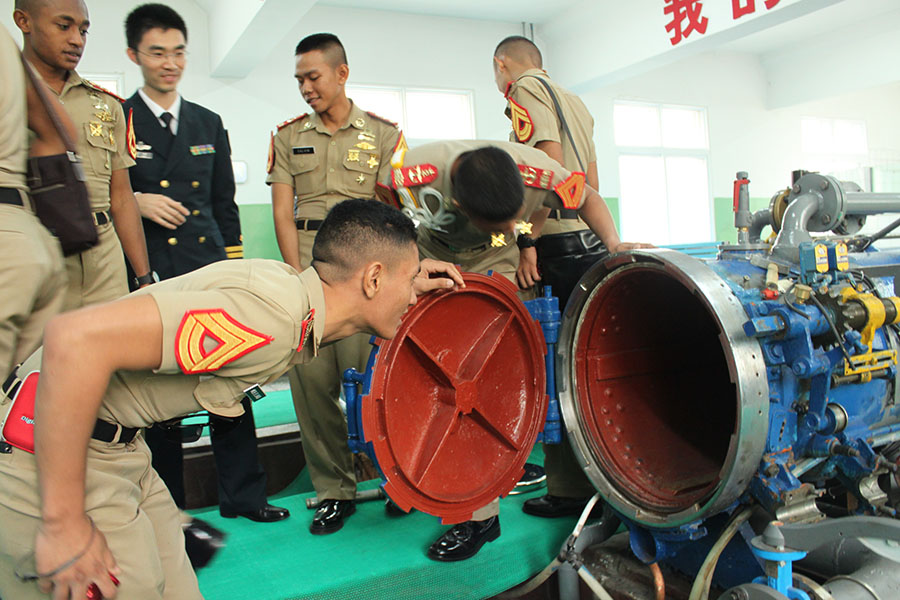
pixel 127 218
pixel 596 215
pixel 285 228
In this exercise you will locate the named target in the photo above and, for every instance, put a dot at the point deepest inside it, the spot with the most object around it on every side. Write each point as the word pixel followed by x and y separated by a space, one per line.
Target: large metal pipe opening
pixel 664 397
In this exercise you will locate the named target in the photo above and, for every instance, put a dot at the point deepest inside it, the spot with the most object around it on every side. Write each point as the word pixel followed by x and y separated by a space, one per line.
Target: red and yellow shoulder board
pixel 521 121
pixel 401 144
pixel 130 141
pixel 382 119
pixel 506 92
pixel 414 175
pixel 270 163
pixel 294 120
pixel 305 327
pixel 385 194
pixel 100 88
pixel 536 178
pixel 233 340
pixel 571 190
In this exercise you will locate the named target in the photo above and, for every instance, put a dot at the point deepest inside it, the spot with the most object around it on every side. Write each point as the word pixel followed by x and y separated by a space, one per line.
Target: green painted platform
pixel 374 556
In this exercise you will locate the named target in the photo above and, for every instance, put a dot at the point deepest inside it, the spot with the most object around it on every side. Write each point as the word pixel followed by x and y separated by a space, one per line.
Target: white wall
pixel 382 47
pixel 743 134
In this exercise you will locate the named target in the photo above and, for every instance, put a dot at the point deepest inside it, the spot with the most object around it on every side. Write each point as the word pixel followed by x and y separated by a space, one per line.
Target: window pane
pixel 684 128
pixel 107 82
pixel 636 125
pixel 687 185
pixel 383 102
pixel 850 137
pixel 436 115
pixel 816 135
pixel 642 184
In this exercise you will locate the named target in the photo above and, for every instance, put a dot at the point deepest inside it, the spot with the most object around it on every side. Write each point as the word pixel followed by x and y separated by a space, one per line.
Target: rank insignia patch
pixel 305 327
pixel 385 194
pixel 270 162
pixel 415 175
pixel 571 190
pixel 536 178
pixel 521 121
pixel 231 340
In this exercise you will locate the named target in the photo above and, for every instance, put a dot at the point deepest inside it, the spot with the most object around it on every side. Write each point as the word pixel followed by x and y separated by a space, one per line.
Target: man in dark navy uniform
pixel 184 186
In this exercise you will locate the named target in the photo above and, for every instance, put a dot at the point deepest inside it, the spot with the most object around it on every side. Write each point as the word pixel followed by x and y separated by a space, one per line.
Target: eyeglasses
pixel 160 56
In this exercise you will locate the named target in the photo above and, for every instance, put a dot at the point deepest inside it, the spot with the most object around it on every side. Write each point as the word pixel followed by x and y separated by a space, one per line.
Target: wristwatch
pixel 150 277
pixel 523 241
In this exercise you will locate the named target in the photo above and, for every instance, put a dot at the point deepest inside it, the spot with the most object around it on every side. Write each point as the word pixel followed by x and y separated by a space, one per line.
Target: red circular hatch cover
pixel 457 399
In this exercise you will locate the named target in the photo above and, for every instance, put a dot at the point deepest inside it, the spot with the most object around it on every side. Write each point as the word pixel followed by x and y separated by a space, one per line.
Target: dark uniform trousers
pixel 194 168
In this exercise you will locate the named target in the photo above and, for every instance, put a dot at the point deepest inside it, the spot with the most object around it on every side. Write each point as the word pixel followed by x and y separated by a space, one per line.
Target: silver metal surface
pixel 746 369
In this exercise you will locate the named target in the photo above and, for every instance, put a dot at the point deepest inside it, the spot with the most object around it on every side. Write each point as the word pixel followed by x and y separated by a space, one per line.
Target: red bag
pixel 18 428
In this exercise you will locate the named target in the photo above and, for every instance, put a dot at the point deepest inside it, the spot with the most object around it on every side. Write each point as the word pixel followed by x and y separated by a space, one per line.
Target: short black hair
pixel 151 16
pixel 521 49
pixel 356 232
pixel 328 43
pixel 487 184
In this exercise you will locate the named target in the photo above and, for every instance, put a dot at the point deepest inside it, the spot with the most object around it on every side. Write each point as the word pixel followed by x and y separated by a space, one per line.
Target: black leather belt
pixel 563 213
pixel 570 244
pixel 106 432
pixel 101 218
pixel 10 196
pixel 308 224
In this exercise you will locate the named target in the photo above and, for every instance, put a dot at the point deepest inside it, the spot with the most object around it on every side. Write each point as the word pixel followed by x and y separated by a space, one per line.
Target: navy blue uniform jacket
pixel 194 169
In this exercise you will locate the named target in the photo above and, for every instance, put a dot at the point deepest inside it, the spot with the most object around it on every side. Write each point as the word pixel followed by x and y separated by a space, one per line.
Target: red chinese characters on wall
pixel 681 11
pixel 686 16
pixel 739 8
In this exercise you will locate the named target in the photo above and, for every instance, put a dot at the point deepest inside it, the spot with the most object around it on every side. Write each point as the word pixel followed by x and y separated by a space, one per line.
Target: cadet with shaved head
pixel 77 492
pixel 316 161
pixel 55 33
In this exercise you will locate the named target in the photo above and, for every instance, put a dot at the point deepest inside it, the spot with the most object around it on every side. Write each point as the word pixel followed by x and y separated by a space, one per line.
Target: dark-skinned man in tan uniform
pixel 32 277
pixel 55 32
pixel 565 248
pixel 469 198
pixel 315 161
pixel 87 503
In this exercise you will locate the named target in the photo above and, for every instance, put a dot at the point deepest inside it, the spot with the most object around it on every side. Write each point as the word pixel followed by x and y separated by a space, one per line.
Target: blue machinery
pixel 740 415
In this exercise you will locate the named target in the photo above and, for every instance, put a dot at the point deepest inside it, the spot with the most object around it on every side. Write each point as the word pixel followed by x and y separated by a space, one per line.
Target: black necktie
pixel 166 118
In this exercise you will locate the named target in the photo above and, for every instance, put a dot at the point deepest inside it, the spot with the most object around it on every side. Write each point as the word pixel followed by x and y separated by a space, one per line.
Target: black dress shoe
pixel 554 506
pixel 392 510
pixel 265 514
pixel 464 540
pixel 330 516
pixel 202 541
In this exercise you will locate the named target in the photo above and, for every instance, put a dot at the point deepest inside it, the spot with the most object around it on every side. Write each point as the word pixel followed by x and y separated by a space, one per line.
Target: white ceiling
pixel 510 11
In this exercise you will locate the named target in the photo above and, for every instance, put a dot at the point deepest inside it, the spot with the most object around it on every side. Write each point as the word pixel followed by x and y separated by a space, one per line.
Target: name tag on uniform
pixel 304 150
pixel 143 155
pixel 254 392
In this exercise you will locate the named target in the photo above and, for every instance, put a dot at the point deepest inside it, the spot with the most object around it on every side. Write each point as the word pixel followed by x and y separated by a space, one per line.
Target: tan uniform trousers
pixel 98 274
pixel 316 389
pixel 128 503
pixel 32 275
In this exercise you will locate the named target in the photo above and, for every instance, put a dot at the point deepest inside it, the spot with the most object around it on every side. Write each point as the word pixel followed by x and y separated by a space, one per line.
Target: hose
pixel 535 582
pixel 700 589
pixel 592 583
pixel 659 584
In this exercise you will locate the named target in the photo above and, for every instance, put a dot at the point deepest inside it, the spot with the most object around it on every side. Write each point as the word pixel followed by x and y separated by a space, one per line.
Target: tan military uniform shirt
pixel 102 135
pixel 534 119
pixel 267 316
pixel 13 124
pixel 325 168
pixel 421 177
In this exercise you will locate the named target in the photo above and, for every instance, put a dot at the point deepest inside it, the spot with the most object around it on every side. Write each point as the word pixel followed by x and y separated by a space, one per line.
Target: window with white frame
pixel 836 147
pixel 108 81
pixel 425 115
pixel 663 173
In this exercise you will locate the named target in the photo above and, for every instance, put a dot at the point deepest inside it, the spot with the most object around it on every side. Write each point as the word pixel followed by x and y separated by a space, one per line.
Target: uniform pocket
pixel 362 167
pixel 100 147
pixel 303 167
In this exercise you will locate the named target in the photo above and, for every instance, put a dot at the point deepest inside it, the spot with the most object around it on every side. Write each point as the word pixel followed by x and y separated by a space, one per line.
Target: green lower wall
pixel 259 230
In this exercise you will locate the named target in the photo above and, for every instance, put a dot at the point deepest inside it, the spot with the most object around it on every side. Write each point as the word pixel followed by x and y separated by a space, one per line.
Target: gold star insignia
pixel 372 162
pixel 361 179
pixel 523 227
pixel 307 125
pixel 498 240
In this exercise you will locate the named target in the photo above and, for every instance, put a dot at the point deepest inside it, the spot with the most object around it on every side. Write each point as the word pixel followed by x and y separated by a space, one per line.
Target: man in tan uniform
pixel 55 34
pixel 316 161
pixel 469 198
pixel 201 341
pixel 32 278
pixel 548 117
